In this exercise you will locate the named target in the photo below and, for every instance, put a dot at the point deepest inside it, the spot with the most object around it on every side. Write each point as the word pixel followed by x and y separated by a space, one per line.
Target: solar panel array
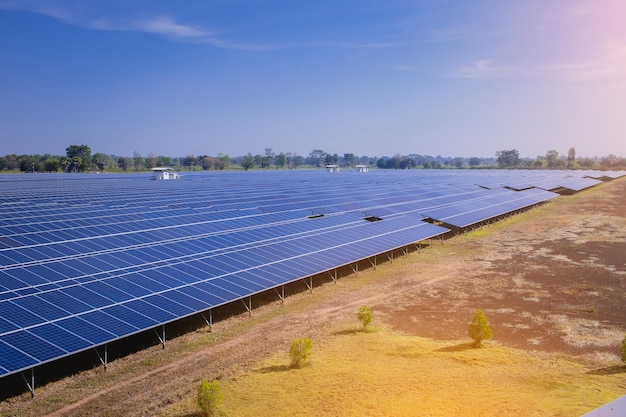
pixel 89 259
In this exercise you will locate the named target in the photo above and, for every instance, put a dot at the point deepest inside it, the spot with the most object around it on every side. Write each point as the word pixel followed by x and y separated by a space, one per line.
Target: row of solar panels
pixel 85 260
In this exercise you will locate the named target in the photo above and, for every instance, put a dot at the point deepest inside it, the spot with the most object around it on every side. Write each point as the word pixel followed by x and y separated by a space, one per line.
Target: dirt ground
pixel 551 280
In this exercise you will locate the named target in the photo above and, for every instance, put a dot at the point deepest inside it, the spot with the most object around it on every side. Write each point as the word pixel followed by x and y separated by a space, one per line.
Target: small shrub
pixel 623 349
pixel 365 316
pixel 479 329
pixel 210 397
pixel 300 351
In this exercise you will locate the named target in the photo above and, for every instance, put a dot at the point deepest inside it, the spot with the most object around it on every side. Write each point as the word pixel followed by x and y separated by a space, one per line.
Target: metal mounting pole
pixel 333 276
pixel 249 305
pixel 161 337
pixel 281 294
pixel 31 385
pixel 209 322
pixel 104 361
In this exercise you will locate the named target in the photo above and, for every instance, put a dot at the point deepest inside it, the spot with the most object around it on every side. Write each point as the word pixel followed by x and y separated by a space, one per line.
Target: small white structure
pixel 362 168
pixel 164 173
pixel 332 168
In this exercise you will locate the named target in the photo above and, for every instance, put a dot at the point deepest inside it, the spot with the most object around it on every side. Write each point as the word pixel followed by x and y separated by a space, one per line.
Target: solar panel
pixel 88 259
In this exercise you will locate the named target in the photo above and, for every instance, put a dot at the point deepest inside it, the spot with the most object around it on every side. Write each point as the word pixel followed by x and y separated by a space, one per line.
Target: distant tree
pixel 317 156
pixel 348 159
pixel 331 159
pixel 365 316
pixel 623 350
pixel 30 163
pixel 206 162
pixel 247 162
pixel 209 397
pixel 552 158
pixel 300 351
pixel 474 162
pixel 163 161
pixel 479 329
pixel 99 161
pixel 587 163
pixel 280 160
pixel 80 156
pixel 458 162
pixel 571 158
pixel 190 162
pixel 223 161
pixel 268 160
pixel 507 158
pixel 407 163
pixel 9 162
pixel 124 163
pixel 137 161
pixel 151 161
pixel 51 165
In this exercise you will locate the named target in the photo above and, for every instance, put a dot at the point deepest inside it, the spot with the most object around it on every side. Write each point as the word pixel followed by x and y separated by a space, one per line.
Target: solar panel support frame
pixel 30 385
pixel 209 322
pixel 104 361
pixel 161 336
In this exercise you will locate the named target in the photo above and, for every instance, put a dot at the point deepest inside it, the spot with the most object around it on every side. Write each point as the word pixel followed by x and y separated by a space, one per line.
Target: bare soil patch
pixel 550 281
pixel 553 280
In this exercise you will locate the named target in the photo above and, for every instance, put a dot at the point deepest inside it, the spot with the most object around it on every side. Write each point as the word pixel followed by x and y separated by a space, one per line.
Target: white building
pixel 164 174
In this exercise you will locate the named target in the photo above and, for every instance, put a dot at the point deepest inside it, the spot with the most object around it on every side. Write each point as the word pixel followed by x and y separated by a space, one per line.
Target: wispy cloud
pixel 160 25
pixel 608 67
pixel 404 68
pixel 484 68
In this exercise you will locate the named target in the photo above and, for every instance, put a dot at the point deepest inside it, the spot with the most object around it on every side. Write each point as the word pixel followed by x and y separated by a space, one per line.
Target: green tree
pixel 571 158
pixel 623 350
pixel 209 397
pixel 300 351
pixel 137 161
pixel 190 161
pixel 123 162
pixel 247 162
pixel 281 160
pixel 51 165
pixel 80 155
pixel 365 316
pixel 268 159
pixel 507 158
pixel 479 329
pixel 474 161
pixel 552 158
pixel 317 156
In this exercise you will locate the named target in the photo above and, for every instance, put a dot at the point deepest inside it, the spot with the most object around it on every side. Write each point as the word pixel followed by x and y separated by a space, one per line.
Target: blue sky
pixel 446 77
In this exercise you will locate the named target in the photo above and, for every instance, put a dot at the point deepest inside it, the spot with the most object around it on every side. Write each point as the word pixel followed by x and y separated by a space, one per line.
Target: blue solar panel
pixel 85 260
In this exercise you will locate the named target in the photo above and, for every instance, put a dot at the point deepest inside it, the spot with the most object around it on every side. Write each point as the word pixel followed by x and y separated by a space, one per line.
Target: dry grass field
pixel 551 281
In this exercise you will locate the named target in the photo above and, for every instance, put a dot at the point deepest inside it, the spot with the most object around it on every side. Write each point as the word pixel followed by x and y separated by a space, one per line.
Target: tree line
pixel 79 158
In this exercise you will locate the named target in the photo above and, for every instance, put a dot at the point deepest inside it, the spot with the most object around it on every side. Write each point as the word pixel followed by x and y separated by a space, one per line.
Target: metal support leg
pixel 309 284
pixel 355 269
pixel 104 361
pixel 373 263
pixel 248 306
pixel 281 294
pixel 162 336
pixel 333 276
pixel 209 322
pixel 30 385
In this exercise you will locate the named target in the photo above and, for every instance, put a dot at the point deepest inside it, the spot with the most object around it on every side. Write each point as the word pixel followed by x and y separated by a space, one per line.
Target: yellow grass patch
pixel 386 374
